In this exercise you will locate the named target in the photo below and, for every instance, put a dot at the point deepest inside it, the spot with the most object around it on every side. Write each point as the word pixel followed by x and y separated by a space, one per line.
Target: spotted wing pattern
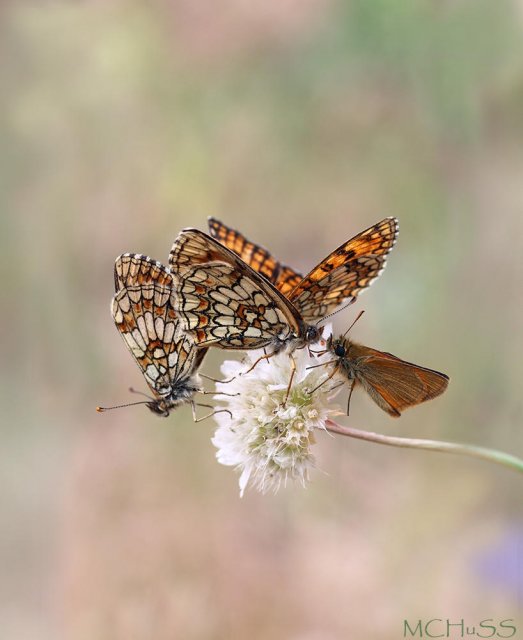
pixel 284 278
pixel 224 302
pixel 346 272
pixel 144 316
pixel 288 279
pixel 136 269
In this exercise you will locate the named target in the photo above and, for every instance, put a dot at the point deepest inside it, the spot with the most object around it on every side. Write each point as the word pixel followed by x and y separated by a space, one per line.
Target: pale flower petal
pixel 267 442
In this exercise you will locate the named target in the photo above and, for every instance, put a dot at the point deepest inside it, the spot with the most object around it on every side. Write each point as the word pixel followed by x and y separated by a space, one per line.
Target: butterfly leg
pixel 322 364
pixel 293 373
pixel 219 393
pixel 264 357
pixel 317 353
pixel 208 406
pixel 329 377
pixel 336 386
pixel 350 395
pixel 203 375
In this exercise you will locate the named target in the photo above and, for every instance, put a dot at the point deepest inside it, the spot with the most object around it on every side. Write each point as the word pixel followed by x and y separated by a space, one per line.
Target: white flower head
pixel 270 442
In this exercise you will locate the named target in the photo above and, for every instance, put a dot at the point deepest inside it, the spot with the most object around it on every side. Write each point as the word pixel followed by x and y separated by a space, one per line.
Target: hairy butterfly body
pixel 393 384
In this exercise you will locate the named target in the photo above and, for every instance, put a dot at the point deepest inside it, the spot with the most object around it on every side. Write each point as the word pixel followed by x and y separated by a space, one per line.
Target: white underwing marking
pixel 229 294
pixel 161 297
pixel 137 351
pixel 159 326
pixel 140 322
pixel 117 314
pixel 135 294
pixel 190 302
pixel 281 316
pixel 152 372
pixel 219 297
pixel 168 332
pixel 223 309
pixel 260 299
pixel 199 275
pixel 225 321
pixel 124 303
pixel 239 293
pixel 192 320
pixel 149 323
pixel 253 332
pixel 186 289
pixel 138 338
pixel 271 316
pixel 148 292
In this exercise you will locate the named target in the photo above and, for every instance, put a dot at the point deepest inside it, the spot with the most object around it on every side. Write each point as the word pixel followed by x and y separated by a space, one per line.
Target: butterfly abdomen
pixel 184 390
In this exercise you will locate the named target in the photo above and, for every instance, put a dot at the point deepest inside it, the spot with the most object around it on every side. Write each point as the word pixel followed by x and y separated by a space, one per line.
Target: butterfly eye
pixel 339 350
pixel 313 334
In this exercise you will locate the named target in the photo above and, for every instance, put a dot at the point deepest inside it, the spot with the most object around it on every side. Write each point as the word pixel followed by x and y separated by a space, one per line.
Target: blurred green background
pixel 300 123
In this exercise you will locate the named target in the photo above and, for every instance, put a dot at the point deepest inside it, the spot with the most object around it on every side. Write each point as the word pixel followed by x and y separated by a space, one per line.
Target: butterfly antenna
pixel 357 318
pixel 337 311
pixel 129 404
pixel 121 406
pixel 140 393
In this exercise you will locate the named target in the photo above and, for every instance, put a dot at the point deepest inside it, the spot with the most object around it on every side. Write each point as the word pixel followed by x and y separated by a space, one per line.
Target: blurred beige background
pixel 300 123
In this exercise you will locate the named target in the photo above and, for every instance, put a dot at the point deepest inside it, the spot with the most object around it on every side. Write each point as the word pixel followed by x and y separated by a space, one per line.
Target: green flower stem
pixel 471 451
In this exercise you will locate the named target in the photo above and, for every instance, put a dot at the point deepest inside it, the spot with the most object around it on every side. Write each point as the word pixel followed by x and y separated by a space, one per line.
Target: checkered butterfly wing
pixel 143 314
pixel 223 302
pixel 346 272
pixel 281 276
pixel 134 269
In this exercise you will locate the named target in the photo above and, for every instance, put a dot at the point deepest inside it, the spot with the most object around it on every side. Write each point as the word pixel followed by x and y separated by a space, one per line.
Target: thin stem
pixel 492 455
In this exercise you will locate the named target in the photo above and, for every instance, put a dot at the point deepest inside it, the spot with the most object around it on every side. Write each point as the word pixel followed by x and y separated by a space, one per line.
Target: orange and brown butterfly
pixel 149 325
pixel 340 277
pixel 284 278
pixel 393 384
pixel 223 301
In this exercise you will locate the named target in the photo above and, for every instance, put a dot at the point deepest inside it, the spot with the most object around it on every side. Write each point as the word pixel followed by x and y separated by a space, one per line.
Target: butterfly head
pixel 313 334
pixel 159 407
pixel 339 348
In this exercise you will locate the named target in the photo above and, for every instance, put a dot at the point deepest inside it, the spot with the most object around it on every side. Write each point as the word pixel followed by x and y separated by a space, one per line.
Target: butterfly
pixel 393 384
pixel 284 278
pixel 149 325
pixel 340 277
pixel 224 302
pixel 403 384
